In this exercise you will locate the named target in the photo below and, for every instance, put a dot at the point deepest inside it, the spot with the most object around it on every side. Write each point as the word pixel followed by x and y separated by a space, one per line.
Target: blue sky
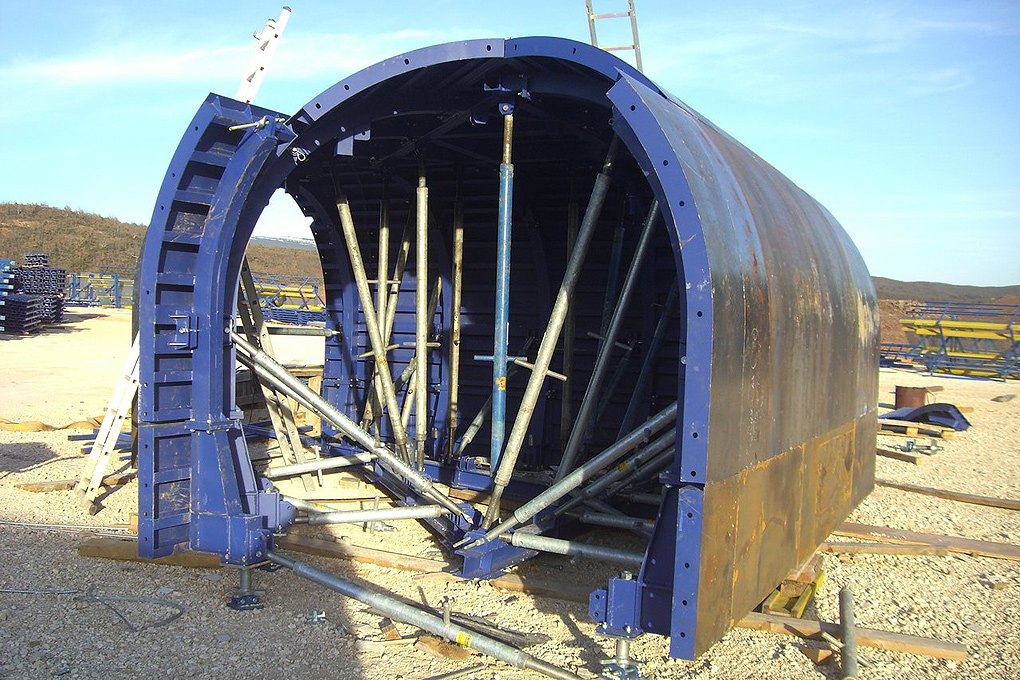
pixel 902 118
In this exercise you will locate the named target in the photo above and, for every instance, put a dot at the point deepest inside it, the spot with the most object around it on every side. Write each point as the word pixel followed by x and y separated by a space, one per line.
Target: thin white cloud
pixel 298 57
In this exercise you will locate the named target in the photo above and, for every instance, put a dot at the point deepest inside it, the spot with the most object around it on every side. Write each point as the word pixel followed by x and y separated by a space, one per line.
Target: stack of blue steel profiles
pixel 40 280
pixel 6 286
pixel 299 317
pixel 23 313
pixel 37 260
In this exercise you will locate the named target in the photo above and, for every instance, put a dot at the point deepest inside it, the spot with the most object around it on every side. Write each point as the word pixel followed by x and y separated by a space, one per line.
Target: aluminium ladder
pixel 630 14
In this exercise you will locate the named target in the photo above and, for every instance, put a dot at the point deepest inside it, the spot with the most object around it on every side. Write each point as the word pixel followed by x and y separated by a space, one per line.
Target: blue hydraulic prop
pixel 502 307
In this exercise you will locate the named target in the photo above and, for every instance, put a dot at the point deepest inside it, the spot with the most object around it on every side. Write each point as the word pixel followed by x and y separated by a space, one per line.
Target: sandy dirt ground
pixel 68 374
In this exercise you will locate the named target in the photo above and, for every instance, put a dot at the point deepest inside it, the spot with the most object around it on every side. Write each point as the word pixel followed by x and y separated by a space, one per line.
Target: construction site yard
pixel 67 374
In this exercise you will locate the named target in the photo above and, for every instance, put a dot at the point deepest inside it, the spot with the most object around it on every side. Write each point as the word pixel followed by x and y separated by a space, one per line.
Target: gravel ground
pixel 973 601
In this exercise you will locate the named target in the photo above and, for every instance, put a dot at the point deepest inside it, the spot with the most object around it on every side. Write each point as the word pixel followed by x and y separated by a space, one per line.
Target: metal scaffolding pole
pixel 375 335
pixel 320 465
pixel 637 397
pixel 458 284
pixel 590 399
pixel 381 289
pixel 644 454
pixel 524 539
pixel 391 308
pixel 407 613
pixel 566 395
pixel 502 307
pixel 552 335
pixel 583 473
pixel 422 323
pixel 375 515
pixel 649 469
pixel 275 373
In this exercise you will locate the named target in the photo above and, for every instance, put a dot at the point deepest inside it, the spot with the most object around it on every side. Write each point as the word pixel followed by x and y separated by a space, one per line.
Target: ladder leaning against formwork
pixel 630 14
pixel 91 480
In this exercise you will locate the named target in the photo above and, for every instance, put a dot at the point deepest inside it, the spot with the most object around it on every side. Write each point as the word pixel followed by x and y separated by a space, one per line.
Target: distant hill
pixel 80 241
pixel 891 289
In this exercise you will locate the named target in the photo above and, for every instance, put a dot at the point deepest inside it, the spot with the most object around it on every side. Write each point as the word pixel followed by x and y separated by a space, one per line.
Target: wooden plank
pixel 911 423
pixel 956 544
pixel 127 550
pixel 882 548
pixel 900 455
pixel 118 479
pixel 990 501
pixel 867 637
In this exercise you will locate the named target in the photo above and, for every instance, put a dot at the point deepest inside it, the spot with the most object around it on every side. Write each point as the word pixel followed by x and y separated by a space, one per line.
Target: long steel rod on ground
pixel 552 335
pixel 620 471
pixel 502 307
pixel 421 323
pixel 458 284
pixel 584 472
pixel 524 539
pixel 379 515
pixel 382 365
pixel 276 374
pixel 638 397
pixel 321 465
pixel 433 623
pixel 590 399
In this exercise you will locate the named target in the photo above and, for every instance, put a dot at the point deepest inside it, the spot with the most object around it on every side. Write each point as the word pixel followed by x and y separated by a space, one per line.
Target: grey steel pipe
pixel 590 398
pixel 320 465
pixel 637 397
pixel 391 306
pixel 458 285
pixel 382 366
pixel 377 515
pixel 614 521
pixel 569 330
pixel 407 613
pixel 314 331
pixel 552 335
pixel 275 373
pixel 302 504
pixel 381 290
pixel 848 633
pixel 645 498
pixel 642 455
pixel 530 541
pixel 652 467
pixel 583 473
pixel 421 323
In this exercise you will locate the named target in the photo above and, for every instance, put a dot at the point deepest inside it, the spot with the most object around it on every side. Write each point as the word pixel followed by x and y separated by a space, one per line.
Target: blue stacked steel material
pixel 36 260
pixel 771 452
pixel 23 313
pixel 105 287
pixel 40 280
pixel 6 286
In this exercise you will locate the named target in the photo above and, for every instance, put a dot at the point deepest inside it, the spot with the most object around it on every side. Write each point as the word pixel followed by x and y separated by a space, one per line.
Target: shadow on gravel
pixel 27 456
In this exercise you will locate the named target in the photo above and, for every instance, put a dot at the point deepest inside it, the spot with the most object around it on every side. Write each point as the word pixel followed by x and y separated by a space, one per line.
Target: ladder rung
pixel 618 47
pixel 610 16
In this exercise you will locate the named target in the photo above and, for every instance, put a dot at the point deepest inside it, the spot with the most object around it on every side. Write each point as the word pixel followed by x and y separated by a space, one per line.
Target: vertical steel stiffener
pixel 769 348
pixel 502 321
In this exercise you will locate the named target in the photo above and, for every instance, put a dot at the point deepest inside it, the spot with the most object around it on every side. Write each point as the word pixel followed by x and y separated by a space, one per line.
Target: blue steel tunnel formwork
pixel 771 350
